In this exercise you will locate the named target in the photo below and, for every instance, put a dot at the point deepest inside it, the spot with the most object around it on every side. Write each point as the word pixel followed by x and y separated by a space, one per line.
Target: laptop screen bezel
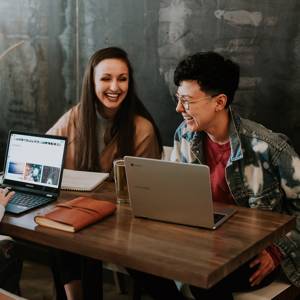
pixel 32 186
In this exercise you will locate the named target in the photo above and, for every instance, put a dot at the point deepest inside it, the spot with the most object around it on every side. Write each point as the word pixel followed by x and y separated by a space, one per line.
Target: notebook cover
pixel 83 181
pixel 5 295
pixel 76 214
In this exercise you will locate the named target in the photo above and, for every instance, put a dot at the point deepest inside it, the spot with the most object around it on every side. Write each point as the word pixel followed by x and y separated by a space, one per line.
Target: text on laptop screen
pixel 33 159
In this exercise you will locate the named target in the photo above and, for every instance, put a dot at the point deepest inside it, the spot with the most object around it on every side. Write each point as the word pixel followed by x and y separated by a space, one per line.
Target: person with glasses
pixel 249 164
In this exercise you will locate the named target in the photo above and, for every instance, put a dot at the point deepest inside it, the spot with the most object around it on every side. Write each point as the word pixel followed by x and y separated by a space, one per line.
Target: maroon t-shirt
pixel 216 158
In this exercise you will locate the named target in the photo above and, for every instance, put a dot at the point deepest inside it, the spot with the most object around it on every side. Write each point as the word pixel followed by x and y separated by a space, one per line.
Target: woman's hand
pixel 5 196
pixel 266 266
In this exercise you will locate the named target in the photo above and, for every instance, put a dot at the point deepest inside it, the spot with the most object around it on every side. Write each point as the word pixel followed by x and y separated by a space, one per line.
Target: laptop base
pixel 22 202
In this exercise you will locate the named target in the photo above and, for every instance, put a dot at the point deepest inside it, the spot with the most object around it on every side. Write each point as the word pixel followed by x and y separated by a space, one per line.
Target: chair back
pixel 166 154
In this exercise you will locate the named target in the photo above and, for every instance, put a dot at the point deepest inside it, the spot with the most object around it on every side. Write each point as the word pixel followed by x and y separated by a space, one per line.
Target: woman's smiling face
pixel 111 80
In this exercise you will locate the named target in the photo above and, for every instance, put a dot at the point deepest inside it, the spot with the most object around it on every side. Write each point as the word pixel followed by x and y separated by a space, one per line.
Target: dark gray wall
pixel 40 78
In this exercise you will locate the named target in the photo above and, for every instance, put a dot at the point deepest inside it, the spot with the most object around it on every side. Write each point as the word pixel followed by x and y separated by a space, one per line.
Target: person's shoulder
pixel 142 124
pixel 71 114
pixel 182 132
pixel 258 132
pixel 67 121
pixel 182 128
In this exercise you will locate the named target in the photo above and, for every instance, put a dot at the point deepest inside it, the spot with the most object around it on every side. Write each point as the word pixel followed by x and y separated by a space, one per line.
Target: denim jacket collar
pixel 235 143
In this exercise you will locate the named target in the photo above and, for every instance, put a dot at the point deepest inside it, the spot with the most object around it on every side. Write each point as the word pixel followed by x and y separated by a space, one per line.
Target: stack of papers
pixel 81 180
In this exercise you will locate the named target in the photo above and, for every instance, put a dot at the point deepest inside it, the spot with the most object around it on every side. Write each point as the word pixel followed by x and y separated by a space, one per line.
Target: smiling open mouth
pixel 112 96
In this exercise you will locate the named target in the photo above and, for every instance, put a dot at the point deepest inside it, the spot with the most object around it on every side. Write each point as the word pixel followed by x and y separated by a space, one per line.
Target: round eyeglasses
pixel 185 101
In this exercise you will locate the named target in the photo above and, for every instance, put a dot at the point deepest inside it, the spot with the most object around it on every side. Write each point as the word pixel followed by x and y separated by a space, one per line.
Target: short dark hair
pixel 214 73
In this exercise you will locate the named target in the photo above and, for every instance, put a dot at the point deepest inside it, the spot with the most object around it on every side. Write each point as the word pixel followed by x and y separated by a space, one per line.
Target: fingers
pixel 5 196
pixel 9 195
pixel 7 192
pixel 254 262
pixel 266 266
pixel 261 273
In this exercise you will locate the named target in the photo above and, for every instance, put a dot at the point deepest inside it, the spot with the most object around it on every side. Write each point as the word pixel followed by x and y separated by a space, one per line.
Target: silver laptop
pixel 33 169
pixel 172 192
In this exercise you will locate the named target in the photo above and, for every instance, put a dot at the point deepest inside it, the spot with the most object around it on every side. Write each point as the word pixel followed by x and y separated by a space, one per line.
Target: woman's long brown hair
pixel 123 128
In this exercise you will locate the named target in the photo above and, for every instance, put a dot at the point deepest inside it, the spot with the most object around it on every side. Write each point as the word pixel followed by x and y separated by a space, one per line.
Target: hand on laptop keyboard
pixel 5 195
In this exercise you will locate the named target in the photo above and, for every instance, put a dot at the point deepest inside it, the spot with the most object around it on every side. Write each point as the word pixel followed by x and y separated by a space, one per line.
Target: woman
pixel 109 122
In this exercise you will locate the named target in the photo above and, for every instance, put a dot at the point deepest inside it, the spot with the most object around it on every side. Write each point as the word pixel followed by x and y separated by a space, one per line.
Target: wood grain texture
pixel 192 255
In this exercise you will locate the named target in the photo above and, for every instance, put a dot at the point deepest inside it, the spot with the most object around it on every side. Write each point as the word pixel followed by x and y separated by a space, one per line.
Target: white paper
pixel 81 180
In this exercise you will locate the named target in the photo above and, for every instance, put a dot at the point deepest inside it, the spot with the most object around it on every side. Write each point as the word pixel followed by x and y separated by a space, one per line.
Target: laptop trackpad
pixel 16 209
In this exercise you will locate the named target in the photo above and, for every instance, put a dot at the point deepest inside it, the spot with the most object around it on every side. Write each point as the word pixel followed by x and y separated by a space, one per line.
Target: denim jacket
pixel 263 172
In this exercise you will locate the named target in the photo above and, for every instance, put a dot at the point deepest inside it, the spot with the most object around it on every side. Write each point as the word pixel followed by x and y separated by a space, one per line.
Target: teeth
pixel 113 95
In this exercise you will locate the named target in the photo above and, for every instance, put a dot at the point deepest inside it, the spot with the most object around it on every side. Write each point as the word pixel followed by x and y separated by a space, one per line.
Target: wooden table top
pixel 195 256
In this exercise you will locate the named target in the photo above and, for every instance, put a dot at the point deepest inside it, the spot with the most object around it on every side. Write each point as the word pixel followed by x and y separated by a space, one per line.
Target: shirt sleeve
pixel 275 253
pixel 287 163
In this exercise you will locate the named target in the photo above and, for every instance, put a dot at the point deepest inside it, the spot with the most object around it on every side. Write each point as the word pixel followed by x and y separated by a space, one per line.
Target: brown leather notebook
pixel 76 214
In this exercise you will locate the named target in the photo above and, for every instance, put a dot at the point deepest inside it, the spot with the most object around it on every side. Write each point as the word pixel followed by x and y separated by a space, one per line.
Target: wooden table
pixel 195 256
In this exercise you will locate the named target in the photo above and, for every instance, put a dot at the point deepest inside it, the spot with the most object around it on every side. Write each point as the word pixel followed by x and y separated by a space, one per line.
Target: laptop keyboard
pixel 28 200
pixel 217 217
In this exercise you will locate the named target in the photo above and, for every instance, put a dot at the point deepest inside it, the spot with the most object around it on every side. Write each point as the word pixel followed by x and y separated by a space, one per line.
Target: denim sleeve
pixel 288 164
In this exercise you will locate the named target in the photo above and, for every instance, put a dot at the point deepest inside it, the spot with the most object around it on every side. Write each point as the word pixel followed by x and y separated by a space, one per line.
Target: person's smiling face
pixel 201 106
pixel 111 80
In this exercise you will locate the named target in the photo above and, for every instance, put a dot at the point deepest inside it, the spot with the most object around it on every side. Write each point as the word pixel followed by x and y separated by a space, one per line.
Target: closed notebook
pixel 81 180
pixel 76 214
pixel 5 295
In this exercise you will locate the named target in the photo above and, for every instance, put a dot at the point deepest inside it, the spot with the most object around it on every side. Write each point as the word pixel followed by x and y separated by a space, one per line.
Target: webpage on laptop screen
pixel 33 159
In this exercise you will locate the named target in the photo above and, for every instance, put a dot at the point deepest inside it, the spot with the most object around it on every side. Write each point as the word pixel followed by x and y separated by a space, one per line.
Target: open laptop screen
pixel 34 160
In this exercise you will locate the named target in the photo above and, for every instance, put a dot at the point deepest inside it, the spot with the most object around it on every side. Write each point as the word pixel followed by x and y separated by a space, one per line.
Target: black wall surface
pixel 45 44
